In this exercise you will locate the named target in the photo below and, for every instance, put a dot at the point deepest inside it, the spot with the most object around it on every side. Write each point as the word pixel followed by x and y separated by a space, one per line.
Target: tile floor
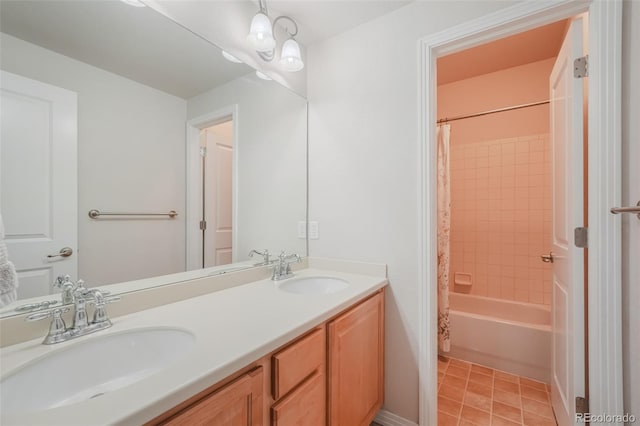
pixel 470 394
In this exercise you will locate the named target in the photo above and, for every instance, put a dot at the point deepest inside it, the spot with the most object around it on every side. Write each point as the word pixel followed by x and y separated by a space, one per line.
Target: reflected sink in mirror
pixel 313 285
pixel 92 368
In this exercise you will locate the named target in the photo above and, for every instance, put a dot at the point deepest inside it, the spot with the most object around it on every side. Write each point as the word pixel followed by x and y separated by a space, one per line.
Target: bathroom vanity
pixel 255 353
pixel 334 373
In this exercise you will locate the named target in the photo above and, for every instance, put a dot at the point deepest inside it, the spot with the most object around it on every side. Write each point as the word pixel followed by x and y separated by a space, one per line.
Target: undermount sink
pixel 92 368
pixel 313 285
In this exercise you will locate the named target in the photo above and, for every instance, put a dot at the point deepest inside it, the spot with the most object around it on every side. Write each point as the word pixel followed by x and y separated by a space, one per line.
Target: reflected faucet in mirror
pixel 265 255
pixel 67 287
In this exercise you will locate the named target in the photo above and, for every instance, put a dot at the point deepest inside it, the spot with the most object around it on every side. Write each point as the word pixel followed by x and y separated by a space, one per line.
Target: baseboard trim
pixel 386 418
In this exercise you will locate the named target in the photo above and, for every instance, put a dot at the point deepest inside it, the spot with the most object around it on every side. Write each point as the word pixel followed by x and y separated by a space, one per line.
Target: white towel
pixel 8 284
pixel 4 256
pixel 8 276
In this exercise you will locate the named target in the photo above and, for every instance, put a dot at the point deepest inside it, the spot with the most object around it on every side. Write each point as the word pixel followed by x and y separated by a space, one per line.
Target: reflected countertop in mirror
pixel 156 120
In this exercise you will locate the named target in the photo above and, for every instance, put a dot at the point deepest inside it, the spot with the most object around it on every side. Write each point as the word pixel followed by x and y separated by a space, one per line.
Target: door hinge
pixel 582 405
pixel 581 67
pixel 203 151
pixel 203 225
pixel 581 237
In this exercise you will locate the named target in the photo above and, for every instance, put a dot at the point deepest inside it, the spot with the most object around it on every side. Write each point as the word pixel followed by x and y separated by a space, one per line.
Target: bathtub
pixel 510 336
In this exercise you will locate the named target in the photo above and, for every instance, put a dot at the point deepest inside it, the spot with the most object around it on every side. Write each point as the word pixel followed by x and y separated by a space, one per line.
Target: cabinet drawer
pixel 305 405
pixel 297 361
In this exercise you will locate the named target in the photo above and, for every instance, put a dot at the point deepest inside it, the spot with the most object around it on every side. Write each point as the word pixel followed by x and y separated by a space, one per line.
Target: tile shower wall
pixel 501 217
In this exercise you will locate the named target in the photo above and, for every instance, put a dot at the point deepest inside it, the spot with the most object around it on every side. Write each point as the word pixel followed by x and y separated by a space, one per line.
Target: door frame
pixel 604 189
pixel 193 258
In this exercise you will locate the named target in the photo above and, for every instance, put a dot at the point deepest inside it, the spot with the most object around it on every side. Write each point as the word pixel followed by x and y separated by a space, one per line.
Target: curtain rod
pixel 493 111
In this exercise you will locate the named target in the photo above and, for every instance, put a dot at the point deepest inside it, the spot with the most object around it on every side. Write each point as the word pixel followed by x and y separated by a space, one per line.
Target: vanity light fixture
pixel 261 37
pixel 134 3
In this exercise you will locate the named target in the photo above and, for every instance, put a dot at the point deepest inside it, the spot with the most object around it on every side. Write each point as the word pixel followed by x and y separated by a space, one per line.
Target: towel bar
pixel 94 214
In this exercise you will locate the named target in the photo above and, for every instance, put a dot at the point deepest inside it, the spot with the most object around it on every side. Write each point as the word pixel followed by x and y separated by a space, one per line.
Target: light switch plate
pixel 302 229
pixel 313 230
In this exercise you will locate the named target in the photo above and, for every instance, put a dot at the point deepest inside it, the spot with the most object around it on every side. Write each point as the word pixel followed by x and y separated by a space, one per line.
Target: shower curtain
pixel 444 228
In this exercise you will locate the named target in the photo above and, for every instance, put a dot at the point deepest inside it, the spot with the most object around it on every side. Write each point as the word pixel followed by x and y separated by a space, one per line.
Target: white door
pixel 567 139
pixel 38 180
pixel 218 206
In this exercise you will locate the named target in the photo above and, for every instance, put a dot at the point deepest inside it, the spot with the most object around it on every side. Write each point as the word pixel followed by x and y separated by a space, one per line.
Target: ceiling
pixel 145 46
pixel 137 43
pixel 322 19
pixel 523 48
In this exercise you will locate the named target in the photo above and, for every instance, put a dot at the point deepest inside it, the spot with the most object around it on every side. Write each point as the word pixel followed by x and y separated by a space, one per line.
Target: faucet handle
pixel 100 314
pixel 57 328
pixel 99 298
pixel 47 314
pixel 294 256
pixel 80 288
pixel 265 254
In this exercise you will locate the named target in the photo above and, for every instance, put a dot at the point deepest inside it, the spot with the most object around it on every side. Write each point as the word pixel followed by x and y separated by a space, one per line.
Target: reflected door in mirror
pixel 217 191
pixel 38 181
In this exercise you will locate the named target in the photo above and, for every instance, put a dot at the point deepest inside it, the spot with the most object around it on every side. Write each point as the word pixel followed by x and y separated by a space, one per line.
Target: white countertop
pixel 233 328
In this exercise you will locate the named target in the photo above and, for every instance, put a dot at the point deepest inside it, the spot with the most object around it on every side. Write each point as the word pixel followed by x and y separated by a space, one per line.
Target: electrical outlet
pixel 313 230
pixel 302 229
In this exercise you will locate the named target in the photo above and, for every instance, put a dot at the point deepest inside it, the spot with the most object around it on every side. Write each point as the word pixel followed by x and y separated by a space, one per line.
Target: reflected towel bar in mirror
pixel 94 214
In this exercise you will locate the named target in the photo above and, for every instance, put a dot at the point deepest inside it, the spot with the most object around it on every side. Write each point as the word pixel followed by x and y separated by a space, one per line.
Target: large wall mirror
pixel 117 109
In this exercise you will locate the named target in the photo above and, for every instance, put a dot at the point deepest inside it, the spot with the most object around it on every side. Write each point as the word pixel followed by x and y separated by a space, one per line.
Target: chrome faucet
pixel 265 255
pixel 80 318
pixel 58 331
pixel 282 268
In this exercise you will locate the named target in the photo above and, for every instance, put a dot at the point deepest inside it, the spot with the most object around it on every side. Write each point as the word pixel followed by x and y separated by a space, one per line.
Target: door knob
pixel 64 252
pixel 547 258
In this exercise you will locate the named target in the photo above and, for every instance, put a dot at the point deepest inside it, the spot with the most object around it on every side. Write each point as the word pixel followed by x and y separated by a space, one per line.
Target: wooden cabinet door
pixel 303 406
pixel 237 404
pixel 356 362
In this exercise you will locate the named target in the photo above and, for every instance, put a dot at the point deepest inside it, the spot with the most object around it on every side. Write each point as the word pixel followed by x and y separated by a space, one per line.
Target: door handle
pixel 618 210
pixel 64 252
pixel 547 258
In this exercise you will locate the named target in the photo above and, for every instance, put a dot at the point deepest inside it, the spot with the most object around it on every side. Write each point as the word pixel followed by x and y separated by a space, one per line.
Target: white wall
pixel 630 196
pixel 363 125
pixel 272 159
pixel 512 86
pixel 130 158
pixel 226 23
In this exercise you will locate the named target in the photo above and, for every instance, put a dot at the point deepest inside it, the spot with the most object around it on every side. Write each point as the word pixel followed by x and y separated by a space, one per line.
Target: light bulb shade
pixel 290 58
pixel 261 33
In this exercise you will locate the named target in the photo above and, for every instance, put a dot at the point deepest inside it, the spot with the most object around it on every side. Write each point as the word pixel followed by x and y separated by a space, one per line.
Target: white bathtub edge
pixel 534 372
